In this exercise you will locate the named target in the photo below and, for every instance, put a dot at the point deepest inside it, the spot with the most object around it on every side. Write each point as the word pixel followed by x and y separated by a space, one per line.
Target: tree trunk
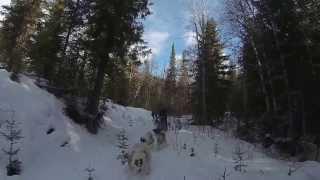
pixel 203 118
pixel 317 153
pixel 270 81
pixel 260 72
pixel 93 100
pixel 285 79
pixel 250 28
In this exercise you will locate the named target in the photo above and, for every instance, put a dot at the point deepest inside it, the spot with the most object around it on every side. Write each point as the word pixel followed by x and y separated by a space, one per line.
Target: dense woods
pixel 90 51
pixel 278 76
pixel 78 47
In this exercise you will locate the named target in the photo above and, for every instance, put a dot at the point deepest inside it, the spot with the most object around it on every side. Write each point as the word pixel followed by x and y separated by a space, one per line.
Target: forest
pixel 88 51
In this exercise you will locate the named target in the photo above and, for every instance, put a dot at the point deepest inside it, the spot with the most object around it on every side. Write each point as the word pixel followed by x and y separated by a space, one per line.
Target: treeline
pixel 201 83
pixel 272 85
pixel 276 92
pixel 91 50
pixel 168 89
pixel 86 49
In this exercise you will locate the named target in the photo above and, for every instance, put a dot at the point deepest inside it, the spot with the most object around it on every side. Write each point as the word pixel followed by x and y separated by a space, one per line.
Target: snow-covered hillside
pixel 44 159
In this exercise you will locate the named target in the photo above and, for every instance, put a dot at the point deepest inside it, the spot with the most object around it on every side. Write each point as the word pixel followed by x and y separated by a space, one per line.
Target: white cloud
pixel 156 40
pixel 189 38
pixel 178 57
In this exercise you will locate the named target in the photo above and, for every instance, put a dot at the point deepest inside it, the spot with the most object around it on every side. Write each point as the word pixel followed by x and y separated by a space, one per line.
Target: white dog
pixel 155 139
pixel 139 159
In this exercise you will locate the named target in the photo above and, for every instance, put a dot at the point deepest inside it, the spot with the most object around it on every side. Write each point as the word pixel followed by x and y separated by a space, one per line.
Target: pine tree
pixel 210 66
pixel 117 82
pixel 182 97
pixel 12 135
pixel 216 149
pixel 90 173
pixel 113 27
pixel 123 146
pixel 46 51
pixel 17 27
pixel 146 85
pixel 224 175
pixel 239 158
pixel 192 153
pixel 170 82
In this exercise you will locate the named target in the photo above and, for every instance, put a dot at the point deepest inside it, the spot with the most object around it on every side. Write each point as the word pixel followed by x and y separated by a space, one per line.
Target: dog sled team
pixel 139 157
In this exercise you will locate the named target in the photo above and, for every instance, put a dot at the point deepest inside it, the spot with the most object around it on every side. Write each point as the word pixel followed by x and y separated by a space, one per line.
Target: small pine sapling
pixel 123 147
pixel 90 172
pixel 12 135
pixel 292 168
pixel 184 147
pixel 239 159
pixel 130 122
pixel 192 154
pixel 216 149
pixel 224 175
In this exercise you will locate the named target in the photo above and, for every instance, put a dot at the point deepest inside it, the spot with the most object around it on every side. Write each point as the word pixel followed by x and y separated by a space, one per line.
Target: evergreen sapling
pixel 123 147
pixel 130 122
pixel 224 175
pixel 239 159
pixel 184 147
pixel 90 172
pixel 216 149
pixel 292 168
pixel 192 154
pixel 12 134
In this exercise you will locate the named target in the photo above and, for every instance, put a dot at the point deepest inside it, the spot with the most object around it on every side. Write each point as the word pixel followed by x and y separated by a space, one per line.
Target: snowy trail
pixel 44 159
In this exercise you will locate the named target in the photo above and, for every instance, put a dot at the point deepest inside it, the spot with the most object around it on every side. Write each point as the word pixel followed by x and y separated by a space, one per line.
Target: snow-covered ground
pixel 44 159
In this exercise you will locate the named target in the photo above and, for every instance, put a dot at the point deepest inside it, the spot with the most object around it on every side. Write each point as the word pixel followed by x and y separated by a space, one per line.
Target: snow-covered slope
pixel 44 159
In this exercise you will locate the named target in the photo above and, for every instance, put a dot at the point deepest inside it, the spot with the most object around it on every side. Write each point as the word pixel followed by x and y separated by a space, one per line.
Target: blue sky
pixel 170 23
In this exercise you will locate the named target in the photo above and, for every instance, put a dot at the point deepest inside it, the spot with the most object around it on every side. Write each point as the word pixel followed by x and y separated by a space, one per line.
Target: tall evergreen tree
pixel 113 27
pixel 17 27
pixel 46 51
pixel 183 98
pixel 12 135
pixel 170 82
pixel 117 82
pixel 210 65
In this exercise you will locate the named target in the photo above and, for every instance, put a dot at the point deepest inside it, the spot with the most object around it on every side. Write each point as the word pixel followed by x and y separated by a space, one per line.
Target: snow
pixel 44 158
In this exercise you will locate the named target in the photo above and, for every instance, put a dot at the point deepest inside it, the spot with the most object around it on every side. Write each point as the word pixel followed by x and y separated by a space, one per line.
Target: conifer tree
pixel 170 82
pixel 113 27
pixel 123 146
pixel 12 135
pixel 239 158
pixel 46 51
pixel 20 19
pixel 183 94
pixel 210 66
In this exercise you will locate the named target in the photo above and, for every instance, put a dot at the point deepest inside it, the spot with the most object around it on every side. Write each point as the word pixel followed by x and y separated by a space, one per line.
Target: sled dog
pixel 155 139
pixel 139 159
